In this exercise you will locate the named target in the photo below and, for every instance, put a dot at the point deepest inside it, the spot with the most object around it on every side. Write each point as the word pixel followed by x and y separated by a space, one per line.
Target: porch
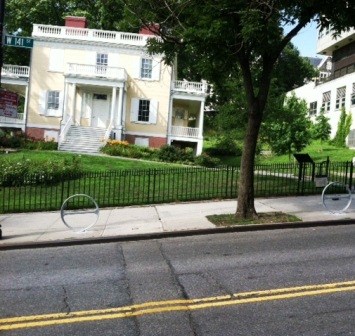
pixel 186 122
pixel 15 78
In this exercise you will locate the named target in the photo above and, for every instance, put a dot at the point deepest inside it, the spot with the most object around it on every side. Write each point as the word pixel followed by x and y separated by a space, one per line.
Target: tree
pixel 291 130
pixel 232 37
pixel 343 129
pixel 321 128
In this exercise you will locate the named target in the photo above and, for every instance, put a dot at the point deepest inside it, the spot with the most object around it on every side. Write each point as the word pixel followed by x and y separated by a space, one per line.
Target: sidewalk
pixel 29 229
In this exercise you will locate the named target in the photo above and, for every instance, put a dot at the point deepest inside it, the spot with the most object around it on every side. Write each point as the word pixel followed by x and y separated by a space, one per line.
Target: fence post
pixel 351 175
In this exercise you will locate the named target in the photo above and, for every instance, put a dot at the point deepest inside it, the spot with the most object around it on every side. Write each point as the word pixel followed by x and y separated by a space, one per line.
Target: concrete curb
pixel 175 234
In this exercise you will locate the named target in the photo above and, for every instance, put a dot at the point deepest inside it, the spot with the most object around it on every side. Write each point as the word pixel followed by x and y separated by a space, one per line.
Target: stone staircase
pixel 81 139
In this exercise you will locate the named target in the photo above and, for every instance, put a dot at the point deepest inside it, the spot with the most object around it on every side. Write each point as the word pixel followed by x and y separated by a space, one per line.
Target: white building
pixel 86 85
pixel 336 91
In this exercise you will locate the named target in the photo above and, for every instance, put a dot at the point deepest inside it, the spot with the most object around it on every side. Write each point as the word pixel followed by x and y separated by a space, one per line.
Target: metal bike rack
pixel 64 212
pixel 336 198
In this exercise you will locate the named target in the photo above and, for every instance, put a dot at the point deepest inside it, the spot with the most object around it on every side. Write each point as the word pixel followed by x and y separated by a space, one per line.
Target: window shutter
pixel 134 109
pixel 156 70
pixel 153 112
pixel 43 103
pixel 137 70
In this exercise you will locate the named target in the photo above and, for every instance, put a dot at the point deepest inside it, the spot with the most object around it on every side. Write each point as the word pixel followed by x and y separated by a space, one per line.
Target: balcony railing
pixel 19 120
pixel 89 35
pixel 94 71
pixel 15 71
pixel 190 87
pixel 186 132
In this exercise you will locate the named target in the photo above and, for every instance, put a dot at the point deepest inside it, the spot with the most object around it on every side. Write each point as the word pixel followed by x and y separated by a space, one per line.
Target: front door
pixel 100 110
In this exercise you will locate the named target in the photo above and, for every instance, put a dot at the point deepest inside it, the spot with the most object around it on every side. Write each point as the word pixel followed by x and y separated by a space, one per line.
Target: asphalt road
pixel 280 282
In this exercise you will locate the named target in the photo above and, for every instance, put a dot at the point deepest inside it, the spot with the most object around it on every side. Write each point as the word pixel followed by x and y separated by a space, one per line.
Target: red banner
pixel 8 104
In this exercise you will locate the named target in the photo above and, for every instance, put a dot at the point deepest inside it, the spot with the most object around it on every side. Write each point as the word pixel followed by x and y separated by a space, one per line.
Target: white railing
pixel 65 129
pixel 9 120
pixel 89 35
pixel 181 131
pixel 15 71
pixel 108 131
pixel 191 87
pixel 96 71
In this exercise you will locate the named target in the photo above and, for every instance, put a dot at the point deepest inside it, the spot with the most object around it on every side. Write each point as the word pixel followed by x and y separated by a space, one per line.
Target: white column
pixel 200 120
pixel 65 104
pixel 119 117
pixel 73 103
pixel 200 129
pixel 25 109
pixel 113 104
pixel 170 120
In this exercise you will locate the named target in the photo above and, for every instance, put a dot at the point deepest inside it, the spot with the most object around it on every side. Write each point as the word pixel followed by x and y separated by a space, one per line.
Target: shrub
pixel 207 161
pixel 169 153
pixel 12 138
pixel 40 145
pixel 225 146
pixel 27 172
pixel 123 148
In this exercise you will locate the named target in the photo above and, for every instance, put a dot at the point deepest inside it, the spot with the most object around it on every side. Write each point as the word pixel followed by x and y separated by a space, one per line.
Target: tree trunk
pixel 245 206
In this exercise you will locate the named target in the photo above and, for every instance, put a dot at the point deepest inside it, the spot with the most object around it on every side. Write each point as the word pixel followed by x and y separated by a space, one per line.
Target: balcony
pixel 327 43
pixel 13 122
pixel 199 88
pixel 90 35
pixel 95 71
pixel 15 72
pixel 184 132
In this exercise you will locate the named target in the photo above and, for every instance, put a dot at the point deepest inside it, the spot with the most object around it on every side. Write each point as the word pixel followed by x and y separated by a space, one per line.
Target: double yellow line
pixel 157 307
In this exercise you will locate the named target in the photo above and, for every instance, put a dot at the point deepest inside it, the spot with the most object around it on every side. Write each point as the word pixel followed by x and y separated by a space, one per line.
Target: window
pixel 326 101
pixel 53 100
pixel 340 101
pixel 313 108
pixel 143 110
pixel 146 68
pixel 101 59
pixel 353 95
pixel 99 96
pixel 101 63
pixel 51 103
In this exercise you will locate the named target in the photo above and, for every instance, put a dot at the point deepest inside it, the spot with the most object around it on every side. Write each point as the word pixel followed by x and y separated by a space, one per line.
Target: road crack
pixel 66 307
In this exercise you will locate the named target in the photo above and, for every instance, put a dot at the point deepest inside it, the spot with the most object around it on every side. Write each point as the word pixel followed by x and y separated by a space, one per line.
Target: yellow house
pixel 85 86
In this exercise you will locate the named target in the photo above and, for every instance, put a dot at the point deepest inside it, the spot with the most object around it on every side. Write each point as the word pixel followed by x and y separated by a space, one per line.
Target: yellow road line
pixel 156 307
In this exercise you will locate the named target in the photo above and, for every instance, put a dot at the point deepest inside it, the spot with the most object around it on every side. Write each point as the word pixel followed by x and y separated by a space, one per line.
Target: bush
pixel 169 153
pixel 225 146
pixel 26 172
pixel 18 139
pixel 40 145
pixel 123 148
pixel 12 138
pixel 207 161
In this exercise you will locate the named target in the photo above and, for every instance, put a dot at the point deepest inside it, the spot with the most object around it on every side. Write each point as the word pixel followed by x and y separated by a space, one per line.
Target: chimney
pixel 76 21
pixel 152 29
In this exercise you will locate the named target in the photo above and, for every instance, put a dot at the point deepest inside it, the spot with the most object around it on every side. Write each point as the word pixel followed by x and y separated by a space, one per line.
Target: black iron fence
pixel 149 186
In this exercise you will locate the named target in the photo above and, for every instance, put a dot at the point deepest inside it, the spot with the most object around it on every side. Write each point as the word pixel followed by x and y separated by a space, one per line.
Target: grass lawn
pixel 263 218
pixel 317 151
pixel 90 163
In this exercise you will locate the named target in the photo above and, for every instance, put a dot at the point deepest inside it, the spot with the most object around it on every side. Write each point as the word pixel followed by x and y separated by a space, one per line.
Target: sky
pixel 306 40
